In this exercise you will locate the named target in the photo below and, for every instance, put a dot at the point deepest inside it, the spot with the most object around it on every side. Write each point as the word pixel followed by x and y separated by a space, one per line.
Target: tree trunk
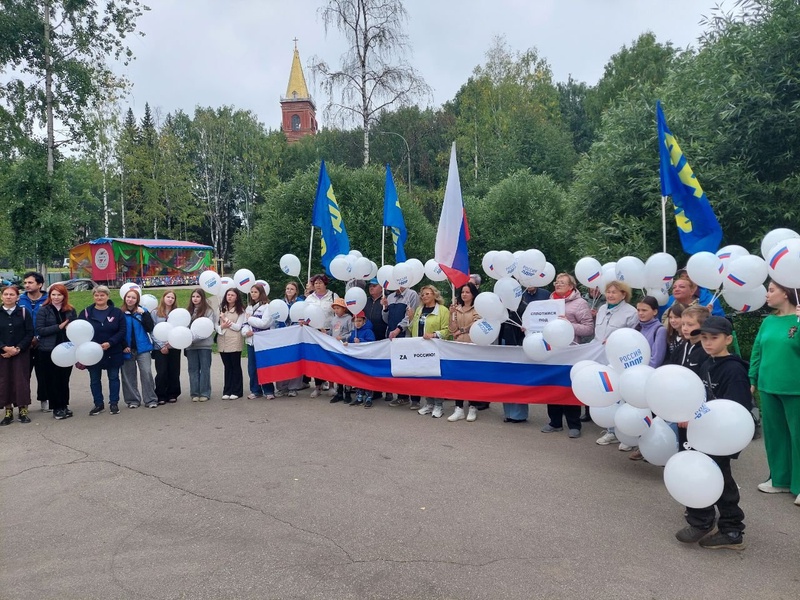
pixel 105 200
pixel 48 92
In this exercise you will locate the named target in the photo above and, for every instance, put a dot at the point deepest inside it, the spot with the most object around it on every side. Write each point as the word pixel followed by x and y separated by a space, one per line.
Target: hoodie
pixel 726 377
pixel 689 355
pixel 655 334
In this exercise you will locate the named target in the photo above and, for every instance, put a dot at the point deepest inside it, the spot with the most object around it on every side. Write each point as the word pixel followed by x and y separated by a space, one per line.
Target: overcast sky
pixel 239 52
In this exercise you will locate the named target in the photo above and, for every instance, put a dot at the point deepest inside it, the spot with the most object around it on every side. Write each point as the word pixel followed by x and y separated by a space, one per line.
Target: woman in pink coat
pixel 579 314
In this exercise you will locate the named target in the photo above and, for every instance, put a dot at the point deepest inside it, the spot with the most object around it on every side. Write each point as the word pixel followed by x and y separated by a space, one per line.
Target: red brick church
pixel 299 111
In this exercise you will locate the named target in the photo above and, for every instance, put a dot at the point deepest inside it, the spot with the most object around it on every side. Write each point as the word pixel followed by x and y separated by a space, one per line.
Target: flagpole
pixel 664 224
pixel 310 250
pixel 383 245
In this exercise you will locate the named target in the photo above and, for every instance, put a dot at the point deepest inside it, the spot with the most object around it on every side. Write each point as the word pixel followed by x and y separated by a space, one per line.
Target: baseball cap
pixel 360 315
pixel 716 325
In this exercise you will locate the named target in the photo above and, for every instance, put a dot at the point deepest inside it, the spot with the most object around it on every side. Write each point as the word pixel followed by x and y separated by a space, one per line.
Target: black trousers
pixel 233 382
pixel 36 365
pixel 168 374
pixel 558 412
pixel 731 516
pixel 54 378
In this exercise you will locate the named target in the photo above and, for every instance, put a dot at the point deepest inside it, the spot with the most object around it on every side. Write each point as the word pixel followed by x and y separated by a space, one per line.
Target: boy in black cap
pixel 725 376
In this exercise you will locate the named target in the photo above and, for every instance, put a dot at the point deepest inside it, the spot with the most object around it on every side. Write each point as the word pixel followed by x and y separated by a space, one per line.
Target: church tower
pixel 299 111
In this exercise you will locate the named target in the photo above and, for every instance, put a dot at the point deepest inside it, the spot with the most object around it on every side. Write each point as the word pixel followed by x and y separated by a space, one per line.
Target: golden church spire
pixel 297 89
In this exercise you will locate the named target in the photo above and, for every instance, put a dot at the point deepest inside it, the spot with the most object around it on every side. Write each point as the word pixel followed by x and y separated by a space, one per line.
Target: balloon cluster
pixel 654 276
pixel 243 280
pixel 179 331
pixel 626 393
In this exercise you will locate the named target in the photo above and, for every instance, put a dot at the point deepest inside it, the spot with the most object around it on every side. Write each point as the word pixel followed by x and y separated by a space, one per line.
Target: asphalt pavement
pixel 300 498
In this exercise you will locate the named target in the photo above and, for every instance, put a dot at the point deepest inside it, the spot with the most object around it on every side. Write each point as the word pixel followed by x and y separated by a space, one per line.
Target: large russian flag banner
pixel 468 371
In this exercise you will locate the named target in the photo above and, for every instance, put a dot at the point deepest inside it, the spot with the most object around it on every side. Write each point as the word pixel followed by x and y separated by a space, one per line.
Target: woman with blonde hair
pixel 431 320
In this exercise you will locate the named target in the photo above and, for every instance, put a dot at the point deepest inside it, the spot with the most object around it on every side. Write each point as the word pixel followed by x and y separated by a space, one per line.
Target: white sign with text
pixel 415 357
pixel 540 312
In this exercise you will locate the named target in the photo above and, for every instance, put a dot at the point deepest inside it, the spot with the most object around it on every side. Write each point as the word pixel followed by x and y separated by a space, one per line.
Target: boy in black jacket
pixel 725 376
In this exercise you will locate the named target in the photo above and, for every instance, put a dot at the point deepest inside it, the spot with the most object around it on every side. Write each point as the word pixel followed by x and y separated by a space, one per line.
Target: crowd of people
pixel 689 331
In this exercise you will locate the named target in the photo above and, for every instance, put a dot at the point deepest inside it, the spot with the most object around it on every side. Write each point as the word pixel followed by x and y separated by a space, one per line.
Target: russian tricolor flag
pixel 453 231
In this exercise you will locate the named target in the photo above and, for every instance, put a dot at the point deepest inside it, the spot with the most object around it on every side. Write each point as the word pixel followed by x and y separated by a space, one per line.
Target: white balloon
pixel 624 438
pixel 161 331
pixel 675 393
pixel 693 479
pixel 244 280
pixel 373 271
pixel 290 265
pixel 433 271
pixel 89 353
pixel 487 262
pixel 314 316
pixel 64 355
pixel 630 269
pixel 356 299
pixel 148 302
pixel 179 317
pixel 721 428
pixel 225 283
pixel 546 276
pixel 609 275
pixel 748 301
pixel 705 269
pixel 402 275
pixel 209 282
pixel 180 337
pixel 535 348
pixel 278 310
pixel 631 420
pixel 784 263
pixel 559 333
pixel 659 269
pixel 297 311
pixel 774 237
pixel 126 287
pixel 597 386
pixel 626 348
pixel 341 268
pixel 588 271
pixel 603 416
pixel 502 261
pixel 79 332
pixel 609 265
pixel 489 306
pixel 729 253
pixel 386 277
pixel 362 268
pixel 355 253
pixel 201 328
pixel 660 294
pixel 633 385
pixel 745 273
pixel 417 270
pixel 658 443
pixel 580 365
pixel 509 292
pixel 484 333
pixel 529 265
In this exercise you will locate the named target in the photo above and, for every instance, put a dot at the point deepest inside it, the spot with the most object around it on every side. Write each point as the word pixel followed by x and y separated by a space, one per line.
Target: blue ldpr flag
pixel 393 217
pixel 328 218
pixel 698 227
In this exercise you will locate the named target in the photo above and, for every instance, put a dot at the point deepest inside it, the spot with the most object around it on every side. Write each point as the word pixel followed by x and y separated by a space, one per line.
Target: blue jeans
pixel 96 384
pixel 255 387
pixel 199 372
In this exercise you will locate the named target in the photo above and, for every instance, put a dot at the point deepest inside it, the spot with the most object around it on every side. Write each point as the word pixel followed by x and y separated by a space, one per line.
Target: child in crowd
pixel 340 327
pixel 725 376
pixel 652 330
pixel 361 332
pixel 689 353
pixel 673 325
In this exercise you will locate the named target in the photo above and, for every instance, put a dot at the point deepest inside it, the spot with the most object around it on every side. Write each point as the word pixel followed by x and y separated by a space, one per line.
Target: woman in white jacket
pixel 256 319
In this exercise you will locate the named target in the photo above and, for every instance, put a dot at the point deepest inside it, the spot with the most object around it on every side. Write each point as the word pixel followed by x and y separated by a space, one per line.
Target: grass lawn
pixel 81 300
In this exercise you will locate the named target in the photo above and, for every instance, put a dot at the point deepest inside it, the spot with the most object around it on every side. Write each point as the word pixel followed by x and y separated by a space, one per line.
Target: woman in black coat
pixel 51 329
pixel 16 333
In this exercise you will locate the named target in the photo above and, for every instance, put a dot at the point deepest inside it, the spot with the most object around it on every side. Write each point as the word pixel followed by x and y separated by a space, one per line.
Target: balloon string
pixel 717 294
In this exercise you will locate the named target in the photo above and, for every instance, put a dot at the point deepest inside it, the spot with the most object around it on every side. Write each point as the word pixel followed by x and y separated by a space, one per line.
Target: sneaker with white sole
pixel 426 410
pixel 45 406
pixel 472 414
pixel 291 394
pixel 768 488
pixel 326 386
pixel 625 447
pixel 797 500
pixel 438 411
pixel 234 397
pixel 607 438
pixel 226 397
pixel 315 392
pixel 457 415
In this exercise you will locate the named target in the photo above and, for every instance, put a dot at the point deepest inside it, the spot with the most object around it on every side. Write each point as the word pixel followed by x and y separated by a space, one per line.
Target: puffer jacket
pixel 47 326
pixel 579 314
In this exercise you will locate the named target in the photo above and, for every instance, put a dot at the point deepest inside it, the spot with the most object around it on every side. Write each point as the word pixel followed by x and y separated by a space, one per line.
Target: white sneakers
pixel 768 488
pixel 226 397
pixel 315 392
pixel 472 415
pixel 625 447
pixel 607 438
pixel 438 411
pixel 426 410
pixel 457 415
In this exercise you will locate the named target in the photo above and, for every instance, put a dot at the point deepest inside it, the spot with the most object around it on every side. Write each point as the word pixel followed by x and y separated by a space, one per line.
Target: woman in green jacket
pixel 431 320
pixel 774 364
